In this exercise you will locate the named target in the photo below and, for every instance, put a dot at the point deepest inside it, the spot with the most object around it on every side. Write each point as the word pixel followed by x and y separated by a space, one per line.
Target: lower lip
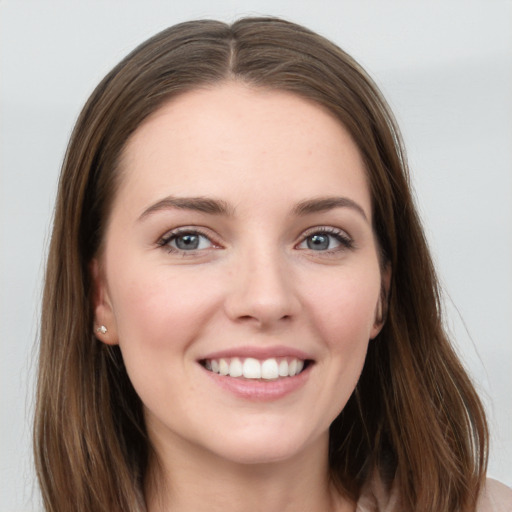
pixel 260 390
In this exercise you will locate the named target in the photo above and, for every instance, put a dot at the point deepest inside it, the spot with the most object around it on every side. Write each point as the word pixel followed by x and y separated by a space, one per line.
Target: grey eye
pixel 318 242
pixel 322 241
pixel 326 239
pixel 189 242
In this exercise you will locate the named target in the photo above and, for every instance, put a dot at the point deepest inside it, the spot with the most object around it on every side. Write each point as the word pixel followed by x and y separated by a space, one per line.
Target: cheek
pixel 158 318
pixel 158 312
pixel 342 314
pixel 344 308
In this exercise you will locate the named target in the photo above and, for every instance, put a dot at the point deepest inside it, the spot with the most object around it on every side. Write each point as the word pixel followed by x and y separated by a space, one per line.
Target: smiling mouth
pixel 251 368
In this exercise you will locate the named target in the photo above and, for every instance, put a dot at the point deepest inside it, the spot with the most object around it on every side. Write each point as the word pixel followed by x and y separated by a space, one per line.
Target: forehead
pixel 212 141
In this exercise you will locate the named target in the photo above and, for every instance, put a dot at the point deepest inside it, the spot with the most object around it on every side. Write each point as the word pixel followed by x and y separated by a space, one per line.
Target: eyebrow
pixel 323 204
pixel 219 207
pixel 198 204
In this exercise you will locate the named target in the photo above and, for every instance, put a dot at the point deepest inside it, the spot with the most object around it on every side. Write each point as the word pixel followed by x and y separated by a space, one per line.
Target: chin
pixel 270 446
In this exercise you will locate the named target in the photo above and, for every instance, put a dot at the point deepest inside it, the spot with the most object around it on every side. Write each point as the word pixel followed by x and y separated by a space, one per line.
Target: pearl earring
pixel 102 329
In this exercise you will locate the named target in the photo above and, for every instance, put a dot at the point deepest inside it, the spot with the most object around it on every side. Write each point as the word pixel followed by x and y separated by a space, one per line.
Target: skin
pixel 256 280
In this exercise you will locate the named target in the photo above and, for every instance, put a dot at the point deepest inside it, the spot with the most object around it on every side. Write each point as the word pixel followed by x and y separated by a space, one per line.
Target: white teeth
pixel 269 369
pixel 235 368
pixel 251 368
pixel 223 367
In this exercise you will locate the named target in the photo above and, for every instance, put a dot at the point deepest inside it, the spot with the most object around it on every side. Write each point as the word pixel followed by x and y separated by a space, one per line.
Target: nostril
pixel 263 320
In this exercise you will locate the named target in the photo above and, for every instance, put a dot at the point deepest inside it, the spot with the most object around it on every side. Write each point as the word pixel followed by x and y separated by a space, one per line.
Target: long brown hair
pixel 414 419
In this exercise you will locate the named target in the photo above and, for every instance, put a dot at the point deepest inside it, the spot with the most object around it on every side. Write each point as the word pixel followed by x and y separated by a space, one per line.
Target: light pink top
pixel 495 497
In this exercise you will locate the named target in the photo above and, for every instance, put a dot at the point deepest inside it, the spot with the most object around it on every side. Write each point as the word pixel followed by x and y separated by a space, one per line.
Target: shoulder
pixel 495 497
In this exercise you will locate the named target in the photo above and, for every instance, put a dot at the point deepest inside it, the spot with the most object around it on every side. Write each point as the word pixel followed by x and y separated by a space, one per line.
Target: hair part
pixel 414 418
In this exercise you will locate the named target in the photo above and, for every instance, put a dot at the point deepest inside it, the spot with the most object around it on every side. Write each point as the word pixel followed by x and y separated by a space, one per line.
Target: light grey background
pixel 446 68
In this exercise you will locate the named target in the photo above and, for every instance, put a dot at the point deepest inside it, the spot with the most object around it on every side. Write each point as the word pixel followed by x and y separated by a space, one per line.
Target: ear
pixel 104 328
pixel 381 311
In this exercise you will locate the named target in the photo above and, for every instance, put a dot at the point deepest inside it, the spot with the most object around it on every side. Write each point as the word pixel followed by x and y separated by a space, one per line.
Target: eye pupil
pixel 318 242
pixel 187 242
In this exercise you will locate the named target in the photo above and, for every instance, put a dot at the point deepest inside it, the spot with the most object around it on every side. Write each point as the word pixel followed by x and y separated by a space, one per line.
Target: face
pixel 240 274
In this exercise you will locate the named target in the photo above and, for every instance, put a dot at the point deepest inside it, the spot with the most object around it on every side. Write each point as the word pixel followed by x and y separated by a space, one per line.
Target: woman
pixel 240 310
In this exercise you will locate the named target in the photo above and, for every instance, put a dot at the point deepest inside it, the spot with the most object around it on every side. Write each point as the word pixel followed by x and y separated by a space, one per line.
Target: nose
pixel 262 291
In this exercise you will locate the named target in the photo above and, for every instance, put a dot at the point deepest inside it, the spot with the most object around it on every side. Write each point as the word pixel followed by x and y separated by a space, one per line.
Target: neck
pixel 204 482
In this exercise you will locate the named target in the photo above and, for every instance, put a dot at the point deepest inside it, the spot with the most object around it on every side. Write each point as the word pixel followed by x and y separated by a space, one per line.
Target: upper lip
pixel 258 352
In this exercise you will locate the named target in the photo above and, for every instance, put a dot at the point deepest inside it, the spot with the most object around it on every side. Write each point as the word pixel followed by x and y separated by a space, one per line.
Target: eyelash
pixel 165 241
pixel 345 241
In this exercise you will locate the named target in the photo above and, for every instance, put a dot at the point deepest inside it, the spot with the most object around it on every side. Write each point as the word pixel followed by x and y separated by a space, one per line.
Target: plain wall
pixel 446 69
